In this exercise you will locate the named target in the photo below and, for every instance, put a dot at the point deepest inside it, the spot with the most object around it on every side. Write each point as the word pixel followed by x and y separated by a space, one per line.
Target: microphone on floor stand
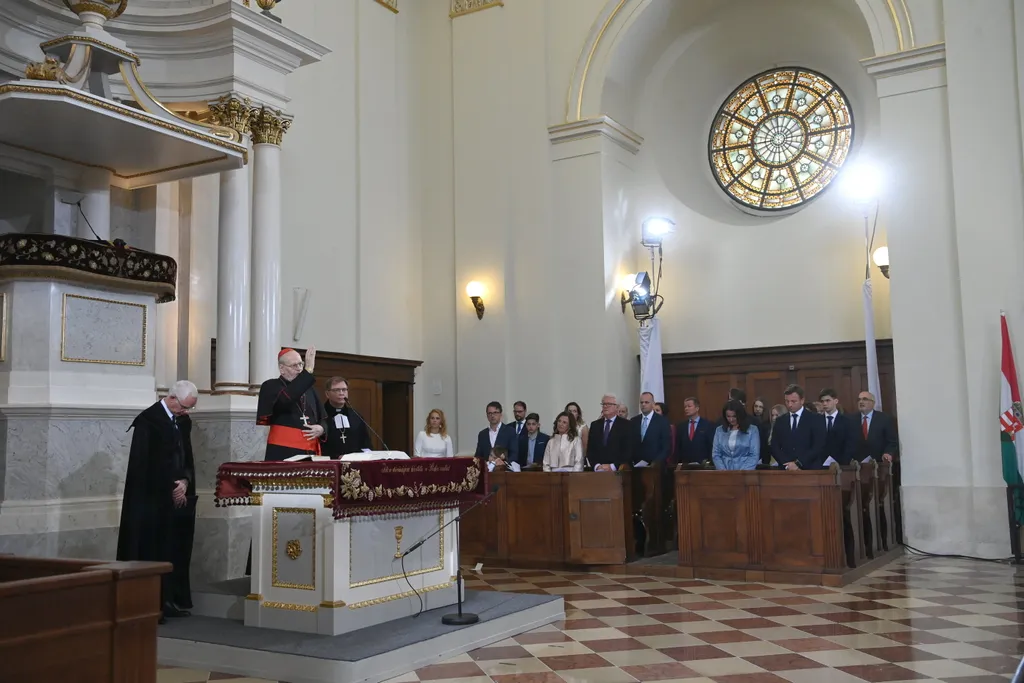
pixel 460 618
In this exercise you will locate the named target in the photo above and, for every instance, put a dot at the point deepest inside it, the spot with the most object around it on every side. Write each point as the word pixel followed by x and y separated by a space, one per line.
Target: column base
pixel 956 520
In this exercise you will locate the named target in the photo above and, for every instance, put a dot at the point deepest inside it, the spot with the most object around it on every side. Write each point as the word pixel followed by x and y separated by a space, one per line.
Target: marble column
pixel 95 187
pixel 233 259
pixel 166 242
pixel 268 129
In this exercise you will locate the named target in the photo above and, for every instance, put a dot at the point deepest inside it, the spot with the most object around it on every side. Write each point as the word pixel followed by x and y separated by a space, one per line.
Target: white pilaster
pixel 233 283
pixel 268 128
pixel 166 242
pixel 95 187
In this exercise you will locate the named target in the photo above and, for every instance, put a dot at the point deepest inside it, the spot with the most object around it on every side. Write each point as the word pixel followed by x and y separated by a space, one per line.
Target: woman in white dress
pixel 564 452
pixel 582 430
pixel 433 441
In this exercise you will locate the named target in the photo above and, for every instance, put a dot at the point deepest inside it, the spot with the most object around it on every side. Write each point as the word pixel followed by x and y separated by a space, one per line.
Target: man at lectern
pixel 346 431
pixel 290 406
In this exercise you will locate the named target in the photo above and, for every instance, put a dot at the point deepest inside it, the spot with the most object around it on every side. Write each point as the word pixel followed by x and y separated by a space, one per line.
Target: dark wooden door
pixel 599 508
pixel 535 517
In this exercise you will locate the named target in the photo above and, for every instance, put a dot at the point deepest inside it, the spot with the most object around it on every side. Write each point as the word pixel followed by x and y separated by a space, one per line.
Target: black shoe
pixel 171 610
pixel 162 620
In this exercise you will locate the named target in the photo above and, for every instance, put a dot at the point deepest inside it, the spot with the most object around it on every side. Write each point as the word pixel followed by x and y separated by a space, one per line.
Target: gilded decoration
pixel 398 541
pixel 390 4
pixel 274 581
pixel 353 488
pixel 289 606
pixel 108 9
pixel 399 596
pixel 461 7
pixel 268 125
pixel 397 575
pixel 49 69
pixel 3 326
pixel 57 257
pixel 293 549
pixel 232 112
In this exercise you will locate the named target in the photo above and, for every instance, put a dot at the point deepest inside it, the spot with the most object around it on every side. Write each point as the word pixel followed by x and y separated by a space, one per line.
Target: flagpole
pixel 870 348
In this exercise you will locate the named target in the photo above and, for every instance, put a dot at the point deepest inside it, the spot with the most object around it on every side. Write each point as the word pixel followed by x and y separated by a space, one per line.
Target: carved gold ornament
pixel 232 112
pixel 353 488
pixel 461 7
pixel 398 541
pixel 293 549
pixel 268 126
pixel 266 5
pixel 108 9
pixel 49 69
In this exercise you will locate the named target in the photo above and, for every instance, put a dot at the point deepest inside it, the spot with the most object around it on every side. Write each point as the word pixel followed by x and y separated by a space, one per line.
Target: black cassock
pixel 344 440
pixel 152 528
pixel 283 405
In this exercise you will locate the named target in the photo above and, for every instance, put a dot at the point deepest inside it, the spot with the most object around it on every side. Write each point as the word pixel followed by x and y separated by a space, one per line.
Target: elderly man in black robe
pixel 158 512
pixel 290 406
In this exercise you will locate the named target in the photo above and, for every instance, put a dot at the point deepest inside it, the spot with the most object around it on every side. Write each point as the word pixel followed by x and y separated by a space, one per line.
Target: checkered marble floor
pixel 919 619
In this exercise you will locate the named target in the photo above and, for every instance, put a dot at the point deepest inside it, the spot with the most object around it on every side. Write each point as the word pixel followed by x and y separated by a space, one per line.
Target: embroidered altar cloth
pixel 371 488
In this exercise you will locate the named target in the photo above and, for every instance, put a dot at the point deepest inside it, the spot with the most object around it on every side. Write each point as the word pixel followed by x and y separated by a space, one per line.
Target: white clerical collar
pixel 167 410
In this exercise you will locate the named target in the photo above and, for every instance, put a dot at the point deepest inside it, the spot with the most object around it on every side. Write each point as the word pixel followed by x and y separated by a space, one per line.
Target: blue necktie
pixel 643 427
pixel 607 430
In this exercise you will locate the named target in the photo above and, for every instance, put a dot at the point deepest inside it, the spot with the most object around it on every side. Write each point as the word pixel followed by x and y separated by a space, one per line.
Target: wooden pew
pixel 869 508
pixel 765 525
pixel 78 621
pixel 653 493
pixel 552 520
pixel 853 529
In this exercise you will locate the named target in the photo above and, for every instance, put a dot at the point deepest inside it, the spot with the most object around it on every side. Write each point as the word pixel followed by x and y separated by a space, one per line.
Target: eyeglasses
pixel 605 405
pixel 299 365
pixel 493 412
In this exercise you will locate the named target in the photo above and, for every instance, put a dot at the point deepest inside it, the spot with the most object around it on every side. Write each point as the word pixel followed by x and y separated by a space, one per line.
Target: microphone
pixel 418 544
pixel 372 430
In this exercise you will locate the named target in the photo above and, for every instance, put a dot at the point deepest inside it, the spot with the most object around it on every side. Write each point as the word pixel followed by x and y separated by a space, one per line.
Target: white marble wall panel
pixel 100 544
pixel 220 438
pixel 103 331
pixel 221 547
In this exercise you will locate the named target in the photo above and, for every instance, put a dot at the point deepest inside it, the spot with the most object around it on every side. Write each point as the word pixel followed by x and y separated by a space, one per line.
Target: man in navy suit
pixel 876 433
pixel 497 435
pixel 695 435
pixel 609 445
pixel 532 442
pixel 799 438
pixel 840 442
pixel 652 435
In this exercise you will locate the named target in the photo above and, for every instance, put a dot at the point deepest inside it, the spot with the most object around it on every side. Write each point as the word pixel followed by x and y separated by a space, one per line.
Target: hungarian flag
pixel 1011 423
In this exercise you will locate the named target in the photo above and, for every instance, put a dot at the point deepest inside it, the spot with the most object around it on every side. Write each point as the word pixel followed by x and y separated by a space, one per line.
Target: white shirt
pixel 433 446
pixel 167 410
pixel 834 417
pixel 868 416
pixel 494 433
pixel 798 414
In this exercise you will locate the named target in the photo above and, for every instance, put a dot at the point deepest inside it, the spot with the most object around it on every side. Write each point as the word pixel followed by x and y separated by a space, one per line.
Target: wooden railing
pixel 78 621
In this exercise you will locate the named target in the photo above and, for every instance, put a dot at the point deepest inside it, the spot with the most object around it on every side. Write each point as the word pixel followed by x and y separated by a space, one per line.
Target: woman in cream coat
pixel 564 452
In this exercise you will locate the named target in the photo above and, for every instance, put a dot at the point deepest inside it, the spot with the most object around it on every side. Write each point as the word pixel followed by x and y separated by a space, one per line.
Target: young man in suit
pixel 799 438
pixel 532 442
pixel 497 435
pixel 652 436
pixel 694 436
pixel 609 444
pixel 876 432
pixel 840 443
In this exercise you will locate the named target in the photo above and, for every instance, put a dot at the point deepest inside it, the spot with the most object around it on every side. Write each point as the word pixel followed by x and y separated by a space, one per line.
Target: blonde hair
pixel 444 423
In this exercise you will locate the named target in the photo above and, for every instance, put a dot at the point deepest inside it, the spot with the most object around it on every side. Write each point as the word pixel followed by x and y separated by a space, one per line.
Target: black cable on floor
pixel 1008 560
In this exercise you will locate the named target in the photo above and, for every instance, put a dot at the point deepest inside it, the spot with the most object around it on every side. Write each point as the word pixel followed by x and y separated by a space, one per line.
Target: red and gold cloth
pixel 373 487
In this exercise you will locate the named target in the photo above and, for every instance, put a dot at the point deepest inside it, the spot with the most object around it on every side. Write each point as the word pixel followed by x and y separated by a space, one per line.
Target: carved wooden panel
pixel 719 520
pixel 535 513
pixel 598 508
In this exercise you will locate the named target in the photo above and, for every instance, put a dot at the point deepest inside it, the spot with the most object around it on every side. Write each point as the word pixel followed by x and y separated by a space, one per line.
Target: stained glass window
pixel 780 138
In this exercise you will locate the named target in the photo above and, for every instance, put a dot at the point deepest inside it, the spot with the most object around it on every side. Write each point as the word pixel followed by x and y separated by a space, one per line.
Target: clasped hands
pixel 180 490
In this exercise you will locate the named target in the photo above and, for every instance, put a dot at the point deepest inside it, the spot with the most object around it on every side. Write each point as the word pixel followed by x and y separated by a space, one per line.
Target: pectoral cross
pixel 343 439
pixel 305 422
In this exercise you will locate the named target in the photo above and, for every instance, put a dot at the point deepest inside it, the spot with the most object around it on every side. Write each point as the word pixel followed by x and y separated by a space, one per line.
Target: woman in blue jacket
pixel 737 444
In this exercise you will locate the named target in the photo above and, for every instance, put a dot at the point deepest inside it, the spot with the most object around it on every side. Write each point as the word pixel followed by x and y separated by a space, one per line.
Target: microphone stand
pixel 460 618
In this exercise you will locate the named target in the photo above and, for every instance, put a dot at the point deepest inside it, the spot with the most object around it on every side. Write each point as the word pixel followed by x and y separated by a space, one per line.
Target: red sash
pixel 291 437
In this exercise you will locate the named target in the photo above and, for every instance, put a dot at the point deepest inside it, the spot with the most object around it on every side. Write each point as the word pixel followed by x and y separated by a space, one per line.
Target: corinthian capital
pixel 268 125
pixel 232 112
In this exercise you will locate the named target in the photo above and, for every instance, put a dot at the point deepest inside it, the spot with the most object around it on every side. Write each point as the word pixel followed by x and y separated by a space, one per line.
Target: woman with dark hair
pixel 737 444
pixel 582 430
pixel 563 452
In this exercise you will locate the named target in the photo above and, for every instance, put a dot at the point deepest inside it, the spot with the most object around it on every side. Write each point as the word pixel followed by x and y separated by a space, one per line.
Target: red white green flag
pixel 1011 423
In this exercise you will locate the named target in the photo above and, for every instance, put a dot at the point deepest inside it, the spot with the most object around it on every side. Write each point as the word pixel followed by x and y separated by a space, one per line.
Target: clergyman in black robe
pixel 290 406
pixel 159 505
pixel 346 430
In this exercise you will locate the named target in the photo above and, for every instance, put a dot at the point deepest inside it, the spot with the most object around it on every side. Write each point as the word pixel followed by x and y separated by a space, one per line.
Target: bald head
pixel 290 365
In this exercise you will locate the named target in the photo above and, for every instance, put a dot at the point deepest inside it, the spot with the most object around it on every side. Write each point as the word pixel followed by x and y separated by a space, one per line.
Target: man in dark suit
pixel 159 507
pixel 695 435
pixel 652 435
pixel 876 433
pixel 799 438
pixel 609 443
pixel 840 442
pixel 497 435
pixel 532 442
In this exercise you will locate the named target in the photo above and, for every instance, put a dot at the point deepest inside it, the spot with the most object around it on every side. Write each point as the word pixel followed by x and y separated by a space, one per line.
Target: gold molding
pixel 896 24
pixel 399 596
pixel 293 549
pixel 268 125
pixel 289 605
pixel 398 575
pixel 50 44
pixel 231 111
pixel 273 563
pixel 460 8
pixel 328 500
pixel 333 605
pixel 254 596
pixel 64 330
pixel 390 4
pixel 255 499
pixel 910 24
pixel 108 9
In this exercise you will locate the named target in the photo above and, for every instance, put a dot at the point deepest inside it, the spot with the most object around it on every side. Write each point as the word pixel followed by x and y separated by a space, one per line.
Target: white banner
pixel 652 378
pixel 869 345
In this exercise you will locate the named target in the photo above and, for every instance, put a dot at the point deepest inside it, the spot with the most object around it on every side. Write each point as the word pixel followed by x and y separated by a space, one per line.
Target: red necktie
pixel 864 427
pixel 693 427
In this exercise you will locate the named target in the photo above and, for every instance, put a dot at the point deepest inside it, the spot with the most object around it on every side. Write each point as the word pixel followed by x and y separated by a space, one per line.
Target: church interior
pixel 377 233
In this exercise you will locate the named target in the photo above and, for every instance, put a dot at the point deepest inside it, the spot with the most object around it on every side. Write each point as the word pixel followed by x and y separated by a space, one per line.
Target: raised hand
pixel 310 358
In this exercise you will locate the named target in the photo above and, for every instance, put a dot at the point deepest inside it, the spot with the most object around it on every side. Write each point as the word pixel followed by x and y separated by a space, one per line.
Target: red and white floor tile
pixel 919 619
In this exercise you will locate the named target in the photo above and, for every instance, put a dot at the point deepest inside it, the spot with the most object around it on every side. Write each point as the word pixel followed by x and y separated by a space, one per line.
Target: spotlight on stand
pixel 654 230
pixel 641 299
pixel 881 259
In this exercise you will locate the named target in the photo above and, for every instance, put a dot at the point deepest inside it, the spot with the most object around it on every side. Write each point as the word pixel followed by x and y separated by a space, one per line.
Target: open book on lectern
pixel 352 457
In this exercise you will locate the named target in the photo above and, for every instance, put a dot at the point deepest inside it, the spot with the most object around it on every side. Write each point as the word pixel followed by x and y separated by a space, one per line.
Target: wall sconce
pixel 881 259
pixel 475 292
